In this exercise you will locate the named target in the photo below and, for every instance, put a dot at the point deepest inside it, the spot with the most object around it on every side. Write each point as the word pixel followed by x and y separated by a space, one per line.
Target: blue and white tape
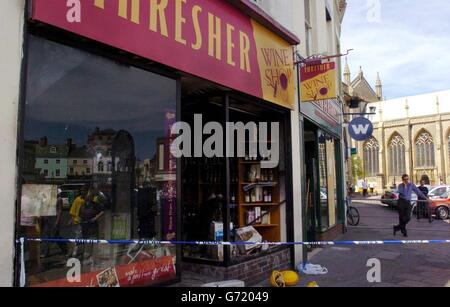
pixel 211 243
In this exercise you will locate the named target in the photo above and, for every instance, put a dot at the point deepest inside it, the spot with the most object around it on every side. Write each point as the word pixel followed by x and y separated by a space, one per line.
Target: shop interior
pixel 321 206
pixel 234 189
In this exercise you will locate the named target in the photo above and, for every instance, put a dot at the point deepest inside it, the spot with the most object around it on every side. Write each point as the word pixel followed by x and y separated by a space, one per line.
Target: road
pixel 401 265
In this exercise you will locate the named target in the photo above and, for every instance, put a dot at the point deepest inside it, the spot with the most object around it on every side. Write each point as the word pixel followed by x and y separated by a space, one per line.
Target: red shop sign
pixel 207 38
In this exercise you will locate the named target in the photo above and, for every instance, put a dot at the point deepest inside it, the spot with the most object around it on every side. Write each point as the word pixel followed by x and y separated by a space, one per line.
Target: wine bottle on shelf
pixel 269 197
pixel 266 196
pixel 247 197
pixel 270 176
pixel 253 197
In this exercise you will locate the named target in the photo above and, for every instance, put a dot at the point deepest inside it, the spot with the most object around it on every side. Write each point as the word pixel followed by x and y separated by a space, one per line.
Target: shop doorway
pixel 312 181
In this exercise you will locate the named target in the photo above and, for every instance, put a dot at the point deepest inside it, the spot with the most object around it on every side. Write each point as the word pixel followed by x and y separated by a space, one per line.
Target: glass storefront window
pixel 328 181
pixel 97 165
pixel 323 182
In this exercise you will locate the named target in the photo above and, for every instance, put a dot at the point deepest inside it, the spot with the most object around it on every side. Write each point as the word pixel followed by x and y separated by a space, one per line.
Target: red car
pixel 440 206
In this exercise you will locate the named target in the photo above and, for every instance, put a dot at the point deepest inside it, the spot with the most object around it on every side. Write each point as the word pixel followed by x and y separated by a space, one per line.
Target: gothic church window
pixel 397 149
pixel 425 150
pixel 371 157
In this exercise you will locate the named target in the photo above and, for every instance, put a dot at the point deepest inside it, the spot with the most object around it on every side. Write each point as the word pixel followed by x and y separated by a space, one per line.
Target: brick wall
pixel 251 272
pixel 331 234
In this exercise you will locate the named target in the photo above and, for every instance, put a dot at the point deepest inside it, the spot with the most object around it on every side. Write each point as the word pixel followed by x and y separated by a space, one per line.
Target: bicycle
pixel 352 214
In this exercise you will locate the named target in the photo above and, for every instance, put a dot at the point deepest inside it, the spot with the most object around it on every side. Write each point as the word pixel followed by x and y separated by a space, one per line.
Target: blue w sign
pixel 360 129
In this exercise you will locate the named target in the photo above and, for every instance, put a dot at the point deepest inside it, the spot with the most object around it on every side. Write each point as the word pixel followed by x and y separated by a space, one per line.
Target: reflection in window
pixel 323 180
pixel 100 167
pixel 95 119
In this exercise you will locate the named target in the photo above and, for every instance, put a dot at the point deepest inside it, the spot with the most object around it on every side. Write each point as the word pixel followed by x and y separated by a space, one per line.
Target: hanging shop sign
pixel 207 38
pixel 360 129
pixel 318 82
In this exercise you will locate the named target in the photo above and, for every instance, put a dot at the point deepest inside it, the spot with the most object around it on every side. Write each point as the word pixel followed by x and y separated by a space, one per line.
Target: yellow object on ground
pixel 312 284
pixel 291 278
pixel 277 280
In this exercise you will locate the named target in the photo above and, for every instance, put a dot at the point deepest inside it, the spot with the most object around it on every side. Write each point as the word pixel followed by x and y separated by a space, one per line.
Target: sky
pixel 406 41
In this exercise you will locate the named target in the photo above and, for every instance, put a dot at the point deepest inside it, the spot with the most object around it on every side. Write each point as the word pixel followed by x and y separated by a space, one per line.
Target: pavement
pixel 401 265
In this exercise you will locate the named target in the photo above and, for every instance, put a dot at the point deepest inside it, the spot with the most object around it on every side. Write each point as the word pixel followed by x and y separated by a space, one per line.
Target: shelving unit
pixel 270 232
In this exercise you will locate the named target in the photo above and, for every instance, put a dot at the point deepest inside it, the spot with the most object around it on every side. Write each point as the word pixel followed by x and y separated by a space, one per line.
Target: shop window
pixel 328 181
pixel 97 104
pixel 100 167
pixel 257 196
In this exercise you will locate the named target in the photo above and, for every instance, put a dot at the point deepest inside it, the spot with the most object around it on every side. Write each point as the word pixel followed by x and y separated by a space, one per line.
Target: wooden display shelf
pixel 269 232
pixel 265 225
pixel 252 162
pixel 268 183
pixel 260 204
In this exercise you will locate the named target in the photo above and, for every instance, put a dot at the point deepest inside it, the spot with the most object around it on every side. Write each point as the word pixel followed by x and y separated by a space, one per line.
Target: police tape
pixel 212 243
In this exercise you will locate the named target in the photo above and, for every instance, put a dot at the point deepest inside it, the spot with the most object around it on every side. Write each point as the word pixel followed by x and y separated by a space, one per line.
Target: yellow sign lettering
pixel 158 12
pixel 179 21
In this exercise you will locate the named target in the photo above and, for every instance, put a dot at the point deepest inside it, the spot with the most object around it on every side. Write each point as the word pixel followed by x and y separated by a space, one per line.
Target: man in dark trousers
pixel 405 190
pixel 422 208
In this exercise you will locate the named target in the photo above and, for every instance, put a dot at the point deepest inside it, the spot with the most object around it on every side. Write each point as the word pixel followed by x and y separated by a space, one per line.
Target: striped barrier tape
pixel 211 243
pixel 154 242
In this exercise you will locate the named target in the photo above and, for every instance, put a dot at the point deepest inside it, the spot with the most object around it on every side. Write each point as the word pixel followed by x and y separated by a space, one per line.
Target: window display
pixel 93 171
pixel 256 194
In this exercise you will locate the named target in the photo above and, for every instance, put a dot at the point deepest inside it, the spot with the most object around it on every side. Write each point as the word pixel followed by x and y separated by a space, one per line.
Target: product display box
pixel 248 234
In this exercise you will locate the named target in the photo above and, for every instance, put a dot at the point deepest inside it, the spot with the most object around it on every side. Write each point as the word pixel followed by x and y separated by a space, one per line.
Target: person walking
pixel 364 187
pixel 405 190
pixel 372 188
pixel 421 206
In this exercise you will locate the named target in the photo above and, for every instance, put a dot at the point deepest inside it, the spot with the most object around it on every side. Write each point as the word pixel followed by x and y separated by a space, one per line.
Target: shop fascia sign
pixel 207 38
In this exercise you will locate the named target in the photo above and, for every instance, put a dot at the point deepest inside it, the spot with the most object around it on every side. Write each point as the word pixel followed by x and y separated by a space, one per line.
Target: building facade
pixel 322 139
pixel 134 94
pixel 358 93
pixel 412 136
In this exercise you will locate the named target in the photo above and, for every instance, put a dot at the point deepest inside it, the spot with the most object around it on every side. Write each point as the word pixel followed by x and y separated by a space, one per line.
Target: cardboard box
pixel 248 234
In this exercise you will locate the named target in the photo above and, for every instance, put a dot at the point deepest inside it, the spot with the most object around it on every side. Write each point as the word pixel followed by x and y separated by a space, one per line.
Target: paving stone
pixel 413 284
pixel 387 255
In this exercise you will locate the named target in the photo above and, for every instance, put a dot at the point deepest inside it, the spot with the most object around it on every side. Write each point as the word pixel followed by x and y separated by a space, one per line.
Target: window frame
pixel 371 158
pixel 96 48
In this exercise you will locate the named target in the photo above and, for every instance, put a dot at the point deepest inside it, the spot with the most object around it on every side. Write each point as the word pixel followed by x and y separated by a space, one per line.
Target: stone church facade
pixel 411 135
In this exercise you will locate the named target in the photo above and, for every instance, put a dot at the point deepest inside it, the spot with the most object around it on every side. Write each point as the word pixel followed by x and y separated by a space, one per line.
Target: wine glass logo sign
pixel 278 73
pixel 318 88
